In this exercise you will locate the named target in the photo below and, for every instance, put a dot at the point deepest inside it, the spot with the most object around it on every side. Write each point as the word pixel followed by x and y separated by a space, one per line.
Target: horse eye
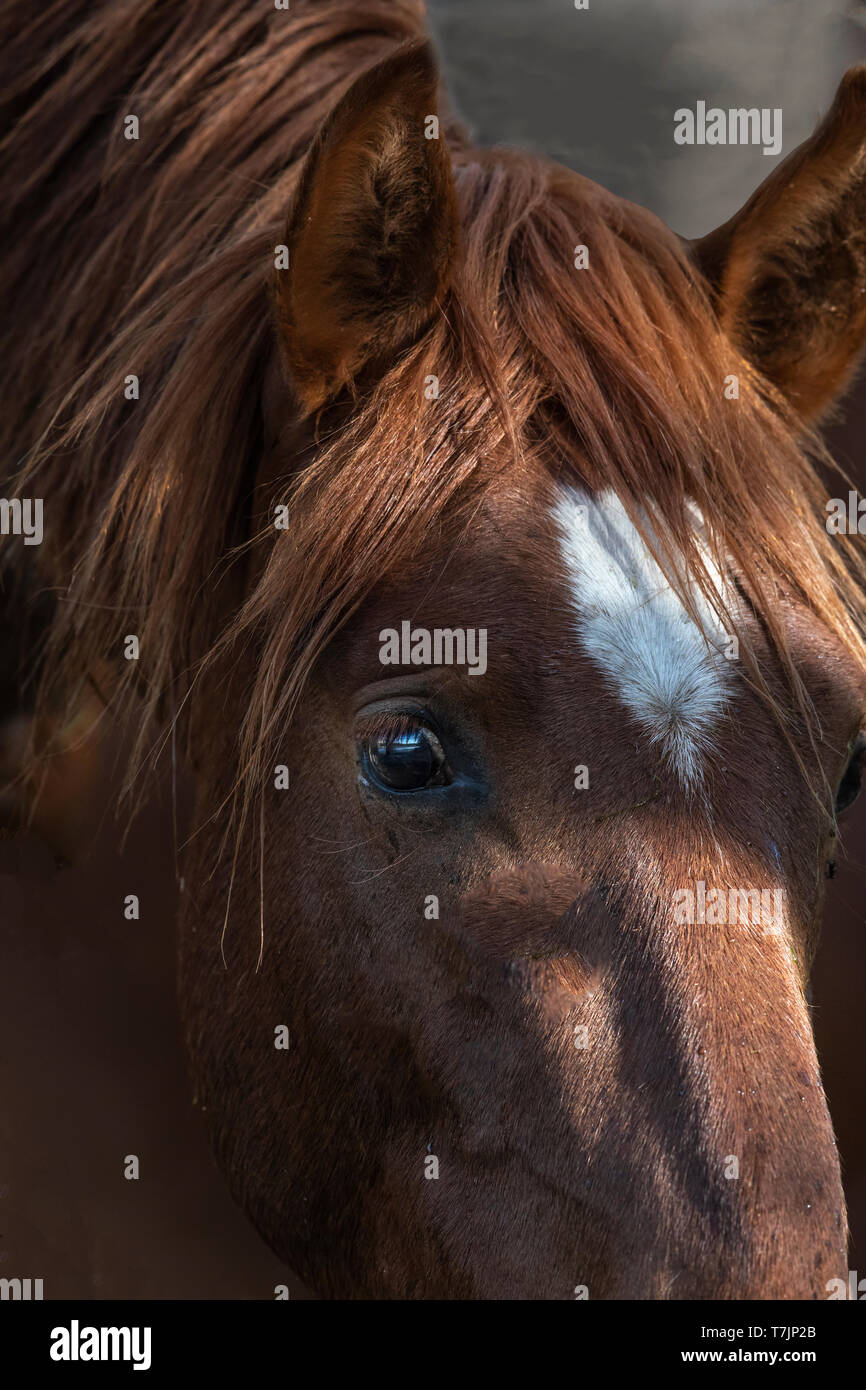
pixel 409 761
pixel 849 787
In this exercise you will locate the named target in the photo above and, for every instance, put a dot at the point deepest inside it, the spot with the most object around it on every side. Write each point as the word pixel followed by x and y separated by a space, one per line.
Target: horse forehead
pixel 666 670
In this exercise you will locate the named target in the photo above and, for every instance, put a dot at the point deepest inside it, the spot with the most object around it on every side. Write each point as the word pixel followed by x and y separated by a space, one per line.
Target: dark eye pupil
pixel 406 761
pixel 849 787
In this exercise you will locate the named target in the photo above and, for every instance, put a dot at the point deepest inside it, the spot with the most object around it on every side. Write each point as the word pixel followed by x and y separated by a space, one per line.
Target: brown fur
pixel 412 258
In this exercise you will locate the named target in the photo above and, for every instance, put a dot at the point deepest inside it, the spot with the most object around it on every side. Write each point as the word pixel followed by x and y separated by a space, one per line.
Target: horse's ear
pixel 788 271
pixel 372 235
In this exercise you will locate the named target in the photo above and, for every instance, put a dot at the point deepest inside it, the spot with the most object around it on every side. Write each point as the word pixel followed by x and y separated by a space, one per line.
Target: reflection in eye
pixel 405 758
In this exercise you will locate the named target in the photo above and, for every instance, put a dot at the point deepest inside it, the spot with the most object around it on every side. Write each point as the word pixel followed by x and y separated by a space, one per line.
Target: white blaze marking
pixel 633 626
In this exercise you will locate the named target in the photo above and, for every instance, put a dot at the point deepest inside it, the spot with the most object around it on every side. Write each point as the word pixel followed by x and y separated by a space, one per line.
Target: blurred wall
pixel 596 89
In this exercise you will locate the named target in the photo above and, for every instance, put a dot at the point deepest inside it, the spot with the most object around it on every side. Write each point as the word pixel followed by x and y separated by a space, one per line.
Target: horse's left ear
pixel 788 271
pixel 372 235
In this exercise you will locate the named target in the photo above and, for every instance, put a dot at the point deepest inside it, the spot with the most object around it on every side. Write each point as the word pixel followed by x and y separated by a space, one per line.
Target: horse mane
pixel 158 262
pixel 152 258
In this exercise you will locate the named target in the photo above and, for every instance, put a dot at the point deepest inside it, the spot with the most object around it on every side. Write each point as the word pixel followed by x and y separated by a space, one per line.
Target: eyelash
pixel 388 724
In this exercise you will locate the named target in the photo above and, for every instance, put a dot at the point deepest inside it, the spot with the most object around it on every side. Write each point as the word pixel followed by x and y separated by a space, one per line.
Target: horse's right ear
pixel 788 271
pixel 372 236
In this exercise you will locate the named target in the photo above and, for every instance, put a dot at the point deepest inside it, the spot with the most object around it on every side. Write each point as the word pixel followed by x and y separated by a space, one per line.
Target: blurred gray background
pixel 597 89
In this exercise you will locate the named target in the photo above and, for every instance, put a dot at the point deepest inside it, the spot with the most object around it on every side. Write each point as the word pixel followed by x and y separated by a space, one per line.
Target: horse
pixel 494 982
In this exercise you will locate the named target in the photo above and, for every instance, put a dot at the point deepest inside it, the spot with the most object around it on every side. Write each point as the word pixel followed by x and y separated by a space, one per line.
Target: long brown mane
pixel 156 258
